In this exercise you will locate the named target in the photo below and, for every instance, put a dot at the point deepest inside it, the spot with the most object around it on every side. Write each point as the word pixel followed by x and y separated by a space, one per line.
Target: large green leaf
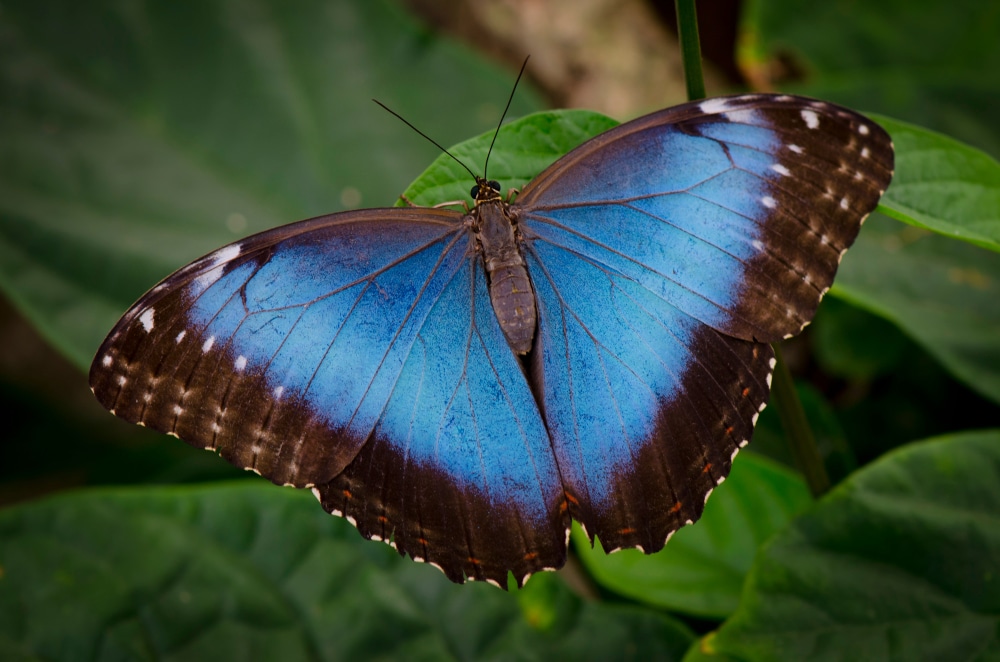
pixel 258 572
pixel 897 563
pixel 941 292
pixel 702 568
pixel 135 137
pixel 942 185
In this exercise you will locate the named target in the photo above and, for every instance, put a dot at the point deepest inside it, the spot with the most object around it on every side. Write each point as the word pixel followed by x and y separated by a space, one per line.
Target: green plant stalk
pixel 687 31
pixel 800 438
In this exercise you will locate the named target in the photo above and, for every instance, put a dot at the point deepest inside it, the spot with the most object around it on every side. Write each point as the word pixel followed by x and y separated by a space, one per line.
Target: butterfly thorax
pixel 511 293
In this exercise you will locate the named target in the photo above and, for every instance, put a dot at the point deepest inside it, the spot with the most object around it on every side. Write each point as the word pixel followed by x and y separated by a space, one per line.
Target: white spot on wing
pixel 121 380
pixel 278 391
pixel 811 118
pixel 865 153
pixel 180 336
pixel 178 410
pixel 713 106
pixel 241 363
pixel 780 169
pixel 147 319
pixel 208 344
pixel 845 203
pixel 218 260
pixel 795 148
pixel 107 361
pixel 863 129
pixel 769 202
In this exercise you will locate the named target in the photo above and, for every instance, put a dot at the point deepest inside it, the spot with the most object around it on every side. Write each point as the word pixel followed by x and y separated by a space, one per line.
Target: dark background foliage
pixel 136 136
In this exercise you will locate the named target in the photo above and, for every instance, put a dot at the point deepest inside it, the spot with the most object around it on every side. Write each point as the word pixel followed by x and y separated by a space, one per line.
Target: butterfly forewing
pixel 359 354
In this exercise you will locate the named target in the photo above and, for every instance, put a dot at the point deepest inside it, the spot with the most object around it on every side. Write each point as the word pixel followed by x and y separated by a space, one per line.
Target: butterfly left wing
pixel 356 354
pixel 664 254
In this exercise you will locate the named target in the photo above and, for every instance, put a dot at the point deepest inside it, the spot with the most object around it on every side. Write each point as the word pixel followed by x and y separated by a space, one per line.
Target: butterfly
pixel 463 385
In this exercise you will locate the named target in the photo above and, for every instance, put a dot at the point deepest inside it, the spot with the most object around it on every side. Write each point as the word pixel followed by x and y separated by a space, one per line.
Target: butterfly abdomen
pixel 514 303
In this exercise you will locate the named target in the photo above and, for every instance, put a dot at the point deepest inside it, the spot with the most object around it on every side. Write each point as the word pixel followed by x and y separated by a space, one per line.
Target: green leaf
pixel 702 568
pixel 258 572
pixel 897 563
pixel 942 185
pixel 523 148
pixel 942 293
pixel 933 63
pixel 135 137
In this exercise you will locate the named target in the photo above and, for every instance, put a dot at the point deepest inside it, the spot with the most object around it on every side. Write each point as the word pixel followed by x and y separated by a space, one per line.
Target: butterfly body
pixel 462 386
pixel 510 287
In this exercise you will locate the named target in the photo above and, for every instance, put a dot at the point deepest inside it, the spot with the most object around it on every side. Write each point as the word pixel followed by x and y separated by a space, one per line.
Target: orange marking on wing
pixel 676 508
pixel 707 468
pixel 626 532
pixel 347 494
pixel 567 500
pixel 383 519
pixel 531 556
pixel 422 541
pixel 746 391
pixel 474 561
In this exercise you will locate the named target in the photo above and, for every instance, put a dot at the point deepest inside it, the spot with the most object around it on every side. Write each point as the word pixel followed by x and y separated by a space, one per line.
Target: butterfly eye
pixel 474 192
pixel 495 185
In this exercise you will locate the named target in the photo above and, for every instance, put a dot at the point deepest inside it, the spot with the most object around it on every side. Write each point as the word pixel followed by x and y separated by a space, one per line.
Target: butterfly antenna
pixel 429 139
pixel 511 98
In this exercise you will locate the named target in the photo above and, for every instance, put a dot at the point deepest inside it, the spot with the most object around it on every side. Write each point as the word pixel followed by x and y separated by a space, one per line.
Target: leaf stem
pixel 800 438
pixel 687 31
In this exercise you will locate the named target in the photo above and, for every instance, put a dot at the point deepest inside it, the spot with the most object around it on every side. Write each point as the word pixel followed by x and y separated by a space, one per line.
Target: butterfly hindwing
pixel 645 405
pixel 460 462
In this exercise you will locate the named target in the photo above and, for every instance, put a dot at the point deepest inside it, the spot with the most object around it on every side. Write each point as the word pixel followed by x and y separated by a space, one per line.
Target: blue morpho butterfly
pixel 462 385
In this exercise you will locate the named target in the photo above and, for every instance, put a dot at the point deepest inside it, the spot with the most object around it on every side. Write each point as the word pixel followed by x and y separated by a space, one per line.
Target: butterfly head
pixel 485 191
